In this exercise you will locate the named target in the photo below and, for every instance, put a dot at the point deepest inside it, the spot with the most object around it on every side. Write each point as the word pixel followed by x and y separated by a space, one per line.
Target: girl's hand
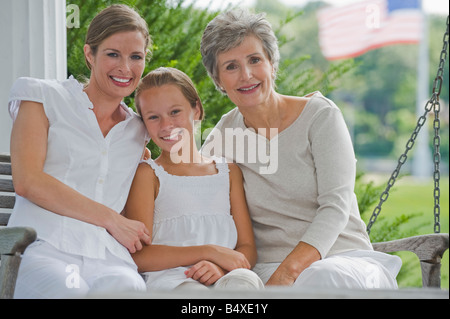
pixel 227 258
pixel 205 272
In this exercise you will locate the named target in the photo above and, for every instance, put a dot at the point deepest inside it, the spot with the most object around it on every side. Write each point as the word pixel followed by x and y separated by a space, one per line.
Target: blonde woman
pixel 74 151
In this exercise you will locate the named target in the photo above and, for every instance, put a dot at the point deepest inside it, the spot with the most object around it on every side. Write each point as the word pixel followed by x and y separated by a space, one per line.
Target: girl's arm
pixel 208 273
pixel 28 152
pixel 245 251
pixel 140 206
pixel 239 209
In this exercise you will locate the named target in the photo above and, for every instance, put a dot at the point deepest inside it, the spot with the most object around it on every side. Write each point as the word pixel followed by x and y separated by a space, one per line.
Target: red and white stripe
pixel 351 30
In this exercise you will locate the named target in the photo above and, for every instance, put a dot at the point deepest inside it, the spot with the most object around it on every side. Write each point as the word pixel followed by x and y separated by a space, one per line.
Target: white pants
pixel 46 272
pixel 237 279
pixel 357 269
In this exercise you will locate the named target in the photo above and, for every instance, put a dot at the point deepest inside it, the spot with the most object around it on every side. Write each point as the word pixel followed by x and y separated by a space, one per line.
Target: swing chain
pixel 432 105
pixel 437 86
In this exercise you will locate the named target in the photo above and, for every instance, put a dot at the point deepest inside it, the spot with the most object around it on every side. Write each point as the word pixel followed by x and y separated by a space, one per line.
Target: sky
pixel 431 6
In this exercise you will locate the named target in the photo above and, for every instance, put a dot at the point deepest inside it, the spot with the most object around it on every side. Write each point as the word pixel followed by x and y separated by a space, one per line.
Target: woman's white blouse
pixel 101 168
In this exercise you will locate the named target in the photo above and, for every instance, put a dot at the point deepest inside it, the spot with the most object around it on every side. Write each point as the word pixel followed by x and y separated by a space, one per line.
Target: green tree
pixel 176 30
pixel 378 88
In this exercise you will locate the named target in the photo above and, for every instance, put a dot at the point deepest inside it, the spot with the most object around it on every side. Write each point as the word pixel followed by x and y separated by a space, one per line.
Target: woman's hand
pixel 205 272
pixel 227 258
pixel 130 233
pixel 298 260
pixel 147 154
pixel 282 277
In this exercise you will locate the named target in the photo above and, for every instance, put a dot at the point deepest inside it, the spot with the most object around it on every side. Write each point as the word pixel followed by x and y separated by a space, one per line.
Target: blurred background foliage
pixel 376 92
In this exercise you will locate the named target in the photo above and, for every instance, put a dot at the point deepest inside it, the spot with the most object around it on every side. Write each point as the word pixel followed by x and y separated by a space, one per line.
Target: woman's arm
pixel 335 169
pixel 334 162
pixel 28 152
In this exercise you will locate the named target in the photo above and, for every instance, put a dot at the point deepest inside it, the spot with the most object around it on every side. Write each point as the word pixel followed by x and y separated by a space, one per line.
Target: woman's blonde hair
pixel 165 75
pixel 114 19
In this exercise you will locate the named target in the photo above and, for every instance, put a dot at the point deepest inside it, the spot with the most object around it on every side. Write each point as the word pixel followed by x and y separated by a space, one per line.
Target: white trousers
pixel 357 269
pixel 238 279
pixel 46 272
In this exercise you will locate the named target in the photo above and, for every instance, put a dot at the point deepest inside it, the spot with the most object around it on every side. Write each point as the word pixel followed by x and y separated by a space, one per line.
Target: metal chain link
pixel 432 105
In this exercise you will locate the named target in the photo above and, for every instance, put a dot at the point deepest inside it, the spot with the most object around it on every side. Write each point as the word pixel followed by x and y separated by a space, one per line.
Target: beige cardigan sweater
pixel 299 185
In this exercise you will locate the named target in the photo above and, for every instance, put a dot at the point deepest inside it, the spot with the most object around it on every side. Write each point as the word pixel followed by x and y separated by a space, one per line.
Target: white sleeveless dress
pixel 190 211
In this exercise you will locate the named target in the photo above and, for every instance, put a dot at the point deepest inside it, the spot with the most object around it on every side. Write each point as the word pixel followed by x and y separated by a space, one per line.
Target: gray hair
pixel 228 30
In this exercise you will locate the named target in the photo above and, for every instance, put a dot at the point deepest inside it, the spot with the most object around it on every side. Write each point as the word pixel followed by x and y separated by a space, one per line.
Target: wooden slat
pixel 4 217
pixel 7 201
pixel 5 169
pixel 6 185
pixel 283 293
pixel 6 158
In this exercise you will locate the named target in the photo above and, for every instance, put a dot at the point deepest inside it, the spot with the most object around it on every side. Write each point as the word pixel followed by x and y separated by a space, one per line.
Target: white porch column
pixel 33 41
pixel 422 164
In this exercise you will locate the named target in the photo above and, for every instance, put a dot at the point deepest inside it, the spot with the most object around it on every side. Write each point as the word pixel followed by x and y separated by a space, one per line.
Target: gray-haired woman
pixel 304 211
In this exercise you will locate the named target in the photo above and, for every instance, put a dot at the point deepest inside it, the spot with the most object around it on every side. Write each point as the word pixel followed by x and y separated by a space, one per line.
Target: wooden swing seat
pixel 14 241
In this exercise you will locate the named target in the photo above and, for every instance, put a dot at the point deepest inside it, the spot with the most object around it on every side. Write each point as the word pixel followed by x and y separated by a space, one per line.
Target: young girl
pixel 194 206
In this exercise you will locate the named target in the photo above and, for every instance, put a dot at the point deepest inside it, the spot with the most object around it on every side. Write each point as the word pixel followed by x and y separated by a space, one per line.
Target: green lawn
pixel 410 197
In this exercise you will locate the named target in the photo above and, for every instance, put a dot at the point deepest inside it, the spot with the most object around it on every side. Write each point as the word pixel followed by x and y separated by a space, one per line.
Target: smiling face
pixel 245 73
pixel 118 64
pixel 168 117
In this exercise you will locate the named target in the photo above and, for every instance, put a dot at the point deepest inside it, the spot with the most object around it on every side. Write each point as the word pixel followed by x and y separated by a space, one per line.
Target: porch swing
pixel 428 248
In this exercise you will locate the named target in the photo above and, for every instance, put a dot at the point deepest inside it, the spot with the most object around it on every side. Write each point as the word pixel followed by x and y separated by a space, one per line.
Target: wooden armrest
pixel 428 248
pixel 14 240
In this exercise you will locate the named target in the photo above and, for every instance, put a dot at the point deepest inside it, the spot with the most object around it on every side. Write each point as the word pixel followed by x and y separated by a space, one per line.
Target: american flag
pixel 351 30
